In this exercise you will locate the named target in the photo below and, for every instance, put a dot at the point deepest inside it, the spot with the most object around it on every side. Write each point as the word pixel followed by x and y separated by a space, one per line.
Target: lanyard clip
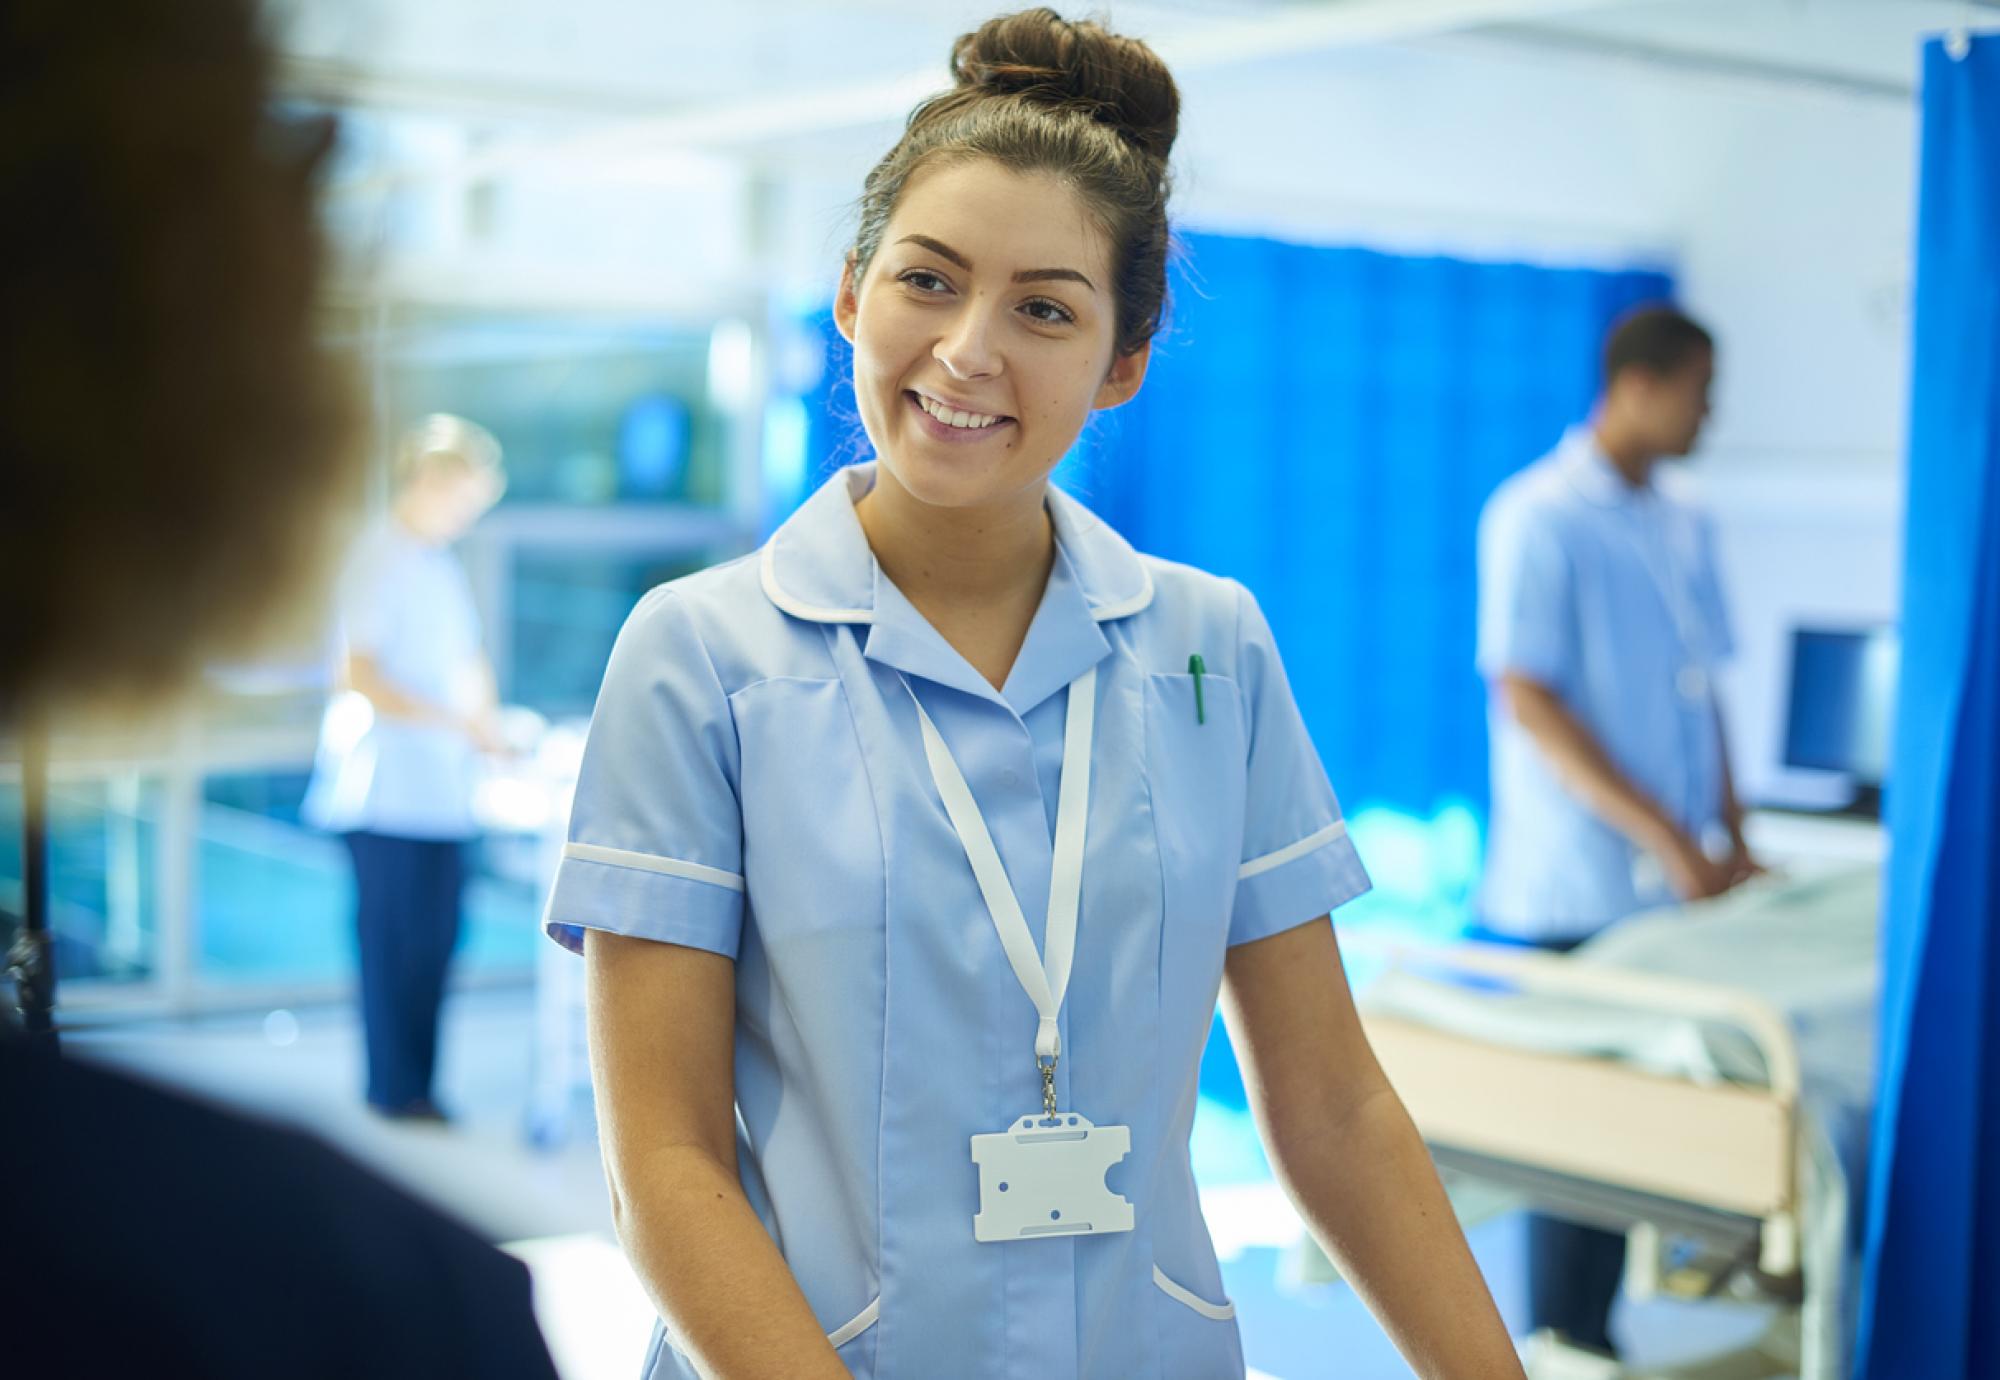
pixel 1198 669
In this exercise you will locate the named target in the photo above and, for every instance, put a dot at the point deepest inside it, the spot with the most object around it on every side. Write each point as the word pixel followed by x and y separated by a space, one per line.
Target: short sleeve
pixel 655 840
pixel 1298 861
pixel 1527 614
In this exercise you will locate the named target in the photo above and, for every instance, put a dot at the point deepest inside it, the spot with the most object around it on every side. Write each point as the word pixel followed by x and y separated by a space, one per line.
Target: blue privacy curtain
pixel 1931 1295
pixel 1324 424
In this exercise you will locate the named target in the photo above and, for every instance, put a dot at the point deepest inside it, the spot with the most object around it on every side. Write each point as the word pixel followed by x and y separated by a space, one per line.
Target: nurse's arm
pixel 1349 1156
pixel 363 673
pixel 1743 864
pixel 662 1057
pixel 1586 769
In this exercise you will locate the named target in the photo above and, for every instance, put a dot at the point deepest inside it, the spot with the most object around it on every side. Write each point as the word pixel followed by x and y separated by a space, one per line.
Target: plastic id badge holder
pixel 1044 1176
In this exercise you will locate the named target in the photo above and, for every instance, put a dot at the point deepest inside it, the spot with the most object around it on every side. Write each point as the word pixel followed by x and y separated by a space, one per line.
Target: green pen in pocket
pixel 1197 669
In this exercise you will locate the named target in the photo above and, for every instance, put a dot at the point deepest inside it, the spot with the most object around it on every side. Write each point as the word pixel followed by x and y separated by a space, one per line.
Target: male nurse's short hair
pixel 1656 337
pixel 442 440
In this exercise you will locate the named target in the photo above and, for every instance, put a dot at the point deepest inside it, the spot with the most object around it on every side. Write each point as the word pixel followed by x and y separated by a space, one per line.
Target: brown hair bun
pixel 1080 65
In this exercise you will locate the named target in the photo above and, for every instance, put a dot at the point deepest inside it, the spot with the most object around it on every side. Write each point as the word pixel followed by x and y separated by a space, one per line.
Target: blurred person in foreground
pixel 1601 628
pixel 399 748
pixel 171 446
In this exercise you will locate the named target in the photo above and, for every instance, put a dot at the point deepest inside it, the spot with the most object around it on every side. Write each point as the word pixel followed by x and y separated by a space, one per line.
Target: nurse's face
pixel 982 333
pixel 443 502
pixel 1678 404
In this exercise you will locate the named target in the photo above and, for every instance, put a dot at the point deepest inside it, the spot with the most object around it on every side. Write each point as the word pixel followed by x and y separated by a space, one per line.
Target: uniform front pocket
pixel 1198 1337
pixel 1197 764
pixel 1187 1298
pixel 856 1325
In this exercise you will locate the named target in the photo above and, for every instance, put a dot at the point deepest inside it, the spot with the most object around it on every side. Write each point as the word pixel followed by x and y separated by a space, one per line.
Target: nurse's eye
pixel 1048 312
pixel 924 281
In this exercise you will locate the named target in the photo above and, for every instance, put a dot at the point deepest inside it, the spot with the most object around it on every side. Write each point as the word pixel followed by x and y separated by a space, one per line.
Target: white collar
pixel 818 566
pixel 1591 472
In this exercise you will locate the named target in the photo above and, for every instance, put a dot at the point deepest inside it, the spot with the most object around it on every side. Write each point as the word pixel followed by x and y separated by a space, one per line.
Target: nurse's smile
pixel 956 424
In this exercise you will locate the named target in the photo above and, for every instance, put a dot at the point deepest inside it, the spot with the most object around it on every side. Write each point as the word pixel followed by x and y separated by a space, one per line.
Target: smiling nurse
pixel 909 859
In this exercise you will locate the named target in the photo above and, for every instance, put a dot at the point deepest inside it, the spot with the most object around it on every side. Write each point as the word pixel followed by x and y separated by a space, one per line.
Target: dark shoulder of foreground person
pixel 147 1233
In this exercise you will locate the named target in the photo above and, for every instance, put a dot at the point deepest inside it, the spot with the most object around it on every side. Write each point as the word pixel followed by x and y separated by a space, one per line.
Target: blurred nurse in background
pixel 400 748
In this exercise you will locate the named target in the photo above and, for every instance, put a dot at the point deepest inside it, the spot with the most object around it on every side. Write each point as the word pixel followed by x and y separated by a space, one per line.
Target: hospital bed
pixel 1697 1075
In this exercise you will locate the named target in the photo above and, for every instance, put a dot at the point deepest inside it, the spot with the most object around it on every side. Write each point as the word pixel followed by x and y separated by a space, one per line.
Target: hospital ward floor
pixel 548 1199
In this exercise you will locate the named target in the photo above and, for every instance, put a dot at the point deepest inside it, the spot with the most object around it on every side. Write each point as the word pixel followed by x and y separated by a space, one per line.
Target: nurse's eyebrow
pixel 1026 275
pixel 1050 275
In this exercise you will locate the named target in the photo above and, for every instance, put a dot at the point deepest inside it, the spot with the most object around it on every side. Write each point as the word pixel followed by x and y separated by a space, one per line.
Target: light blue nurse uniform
pixel 755 784
pixel 1608 595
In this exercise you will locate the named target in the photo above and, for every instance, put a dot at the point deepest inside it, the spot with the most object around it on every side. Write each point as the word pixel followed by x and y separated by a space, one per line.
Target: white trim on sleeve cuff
pixel 1335 830
pixel 647 862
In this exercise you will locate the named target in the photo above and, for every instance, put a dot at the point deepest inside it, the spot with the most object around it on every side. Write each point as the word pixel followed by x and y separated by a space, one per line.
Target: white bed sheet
pixel 1805 942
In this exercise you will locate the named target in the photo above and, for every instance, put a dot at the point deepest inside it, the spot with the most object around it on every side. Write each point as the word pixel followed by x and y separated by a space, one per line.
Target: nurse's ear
pixel 847 301
pixel 1122 382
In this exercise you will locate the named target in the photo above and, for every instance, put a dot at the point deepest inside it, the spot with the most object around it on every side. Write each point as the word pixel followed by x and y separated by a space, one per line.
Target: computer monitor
pixel 1842 705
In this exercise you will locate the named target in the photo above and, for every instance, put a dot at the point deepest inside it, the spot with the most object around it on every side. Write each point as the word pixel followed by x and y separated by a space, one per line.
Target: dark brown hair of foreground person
pixel 172 447
pixel 171 457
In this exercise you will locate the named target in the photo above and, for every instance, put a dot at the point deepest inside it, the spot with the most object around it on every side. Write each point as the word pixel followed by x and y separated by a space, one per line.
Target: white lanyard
pixel 1044 977
pixel 1043 1176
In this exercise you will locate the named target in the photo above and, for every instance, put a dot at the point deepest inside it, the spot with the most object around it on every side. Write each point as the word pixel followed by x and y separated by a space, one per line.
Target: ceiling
pixel 597 60
pixel 717 104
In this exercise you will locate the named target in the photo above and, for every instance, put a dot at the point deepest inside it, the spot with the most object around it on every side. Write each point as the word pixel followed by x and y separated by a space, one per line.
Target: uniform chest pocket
pixel 1197 763
pixel 1197 760
pixel 812 843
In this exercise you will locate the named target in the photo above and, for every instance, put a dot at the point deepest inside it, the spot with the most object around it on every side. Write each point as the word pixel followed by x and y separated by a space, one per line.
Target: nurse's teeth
pixel 950 417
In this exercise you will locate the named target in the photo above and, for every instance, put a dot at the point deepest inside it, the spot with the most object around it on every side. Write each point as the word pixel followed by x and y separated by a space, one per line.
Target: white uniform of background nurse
pixel 399 751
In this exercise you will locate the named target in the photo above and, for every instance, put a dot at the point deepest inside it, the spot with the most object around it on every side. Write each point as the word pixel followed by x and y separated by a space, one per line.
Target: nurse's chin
pixel 960 481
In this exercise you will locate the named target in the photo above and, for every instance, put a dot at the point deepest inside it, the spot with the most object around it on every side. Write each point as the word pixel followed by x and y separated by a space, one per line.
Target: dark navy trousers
pixel 406 923
pixel 1573 1276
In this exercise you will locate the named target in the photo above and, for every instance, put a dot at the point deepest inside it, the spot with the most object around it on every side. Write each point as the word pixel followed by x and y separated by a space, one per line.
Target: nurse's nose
pixel 966 350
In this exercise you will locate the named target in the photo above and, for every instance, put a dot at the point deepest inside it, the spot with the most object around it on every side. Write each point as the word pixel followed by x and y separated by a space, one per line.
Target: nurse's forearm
pixel 1582 765
pixel 1372 1199
pixel 486 687
pixel 725 1292
pixel 362 674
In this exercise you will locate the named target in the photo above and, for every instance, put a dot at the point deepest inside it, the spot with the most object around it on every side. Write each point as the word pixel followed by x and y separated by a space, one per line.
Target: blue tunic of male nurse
pixel 399 749
pixel 910 853
pixel 1601 627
